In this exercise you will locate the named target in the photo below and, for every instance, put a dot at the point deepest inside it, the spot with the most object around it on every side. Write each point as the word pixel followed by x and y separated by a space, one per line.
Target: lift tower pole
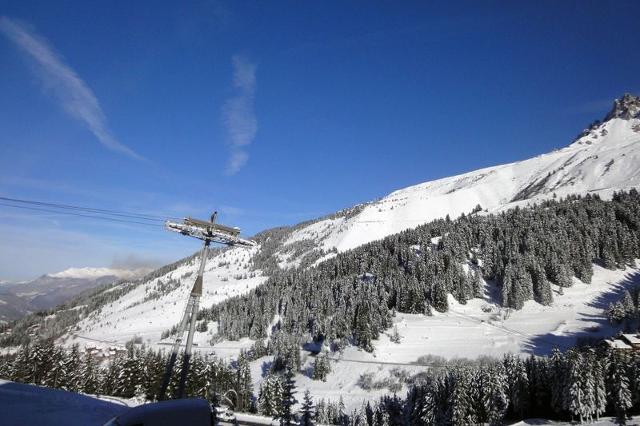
pixel 208 232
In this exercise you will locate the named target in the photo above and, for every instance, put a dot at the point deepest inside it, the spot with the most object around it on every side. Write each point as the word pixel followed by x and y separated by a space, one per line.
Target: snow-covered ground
pixel 483 328
pixel 479 328
pixel 140 314
pixel 36 405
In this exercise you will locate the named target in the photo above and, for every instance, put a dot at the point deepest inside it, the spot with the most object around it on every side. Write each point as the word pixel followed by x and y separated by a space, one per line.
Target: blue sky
pixel 277 112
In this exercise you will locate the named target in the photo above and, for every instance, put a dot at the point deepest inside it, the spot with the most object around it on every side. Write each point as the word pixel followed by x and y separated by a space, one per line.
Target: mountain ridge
pixel 50 290
pixel 448 286
pixel 583 167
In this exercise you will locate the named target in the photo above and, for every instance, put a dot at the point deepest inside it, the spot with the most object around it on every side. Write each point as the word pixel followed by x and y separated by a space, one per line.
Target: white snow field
pixel 140 314
pixel 36 405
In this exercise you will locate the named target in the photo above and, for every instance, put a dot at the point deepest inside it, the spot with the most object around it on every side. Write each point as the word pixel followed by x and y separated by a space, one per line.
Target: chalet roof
pixel 617 344
pixel 633 339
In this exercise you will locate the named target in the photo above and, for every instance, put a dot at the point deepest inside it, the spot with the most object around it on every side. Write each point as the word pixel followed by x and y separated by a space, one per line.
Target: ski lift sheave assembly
pixel 209 232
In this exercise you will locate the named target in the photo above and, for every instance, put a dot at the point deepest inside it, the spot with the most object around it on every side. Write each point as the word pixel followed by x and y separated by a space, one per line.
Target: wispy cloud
pixel 77 99
pixel 239 115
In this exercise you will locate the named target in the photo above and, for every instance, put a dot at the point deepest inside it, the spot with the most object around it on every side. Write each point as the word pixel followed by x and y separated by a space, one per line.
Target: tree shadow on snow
pixel 596 326
pixel 266 368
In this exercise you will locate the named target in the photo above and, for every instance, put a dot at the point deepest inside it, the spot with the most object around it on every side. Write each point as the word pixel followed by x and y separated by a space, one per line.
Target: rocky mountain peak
pixel 627 107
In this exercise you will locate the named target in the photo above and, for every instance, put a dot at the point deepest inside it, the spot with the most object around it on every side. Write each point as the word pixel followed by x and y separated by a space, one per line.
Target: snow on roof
pixel 617 344
pixel 633 339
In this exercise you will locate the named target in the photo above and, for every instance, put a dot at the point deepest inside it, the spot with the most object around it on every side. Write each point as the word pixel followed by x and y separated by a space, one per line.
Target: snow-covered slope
pixel 480 328
pixel 155 305
pixel 605 158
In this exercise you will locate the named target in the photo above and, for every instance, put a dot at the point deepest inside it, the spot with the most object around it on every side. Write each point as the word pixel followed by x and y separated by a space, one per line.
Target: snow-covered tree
pixel 286 414
pixel 321 367
pixel 307 414
pixel 618 385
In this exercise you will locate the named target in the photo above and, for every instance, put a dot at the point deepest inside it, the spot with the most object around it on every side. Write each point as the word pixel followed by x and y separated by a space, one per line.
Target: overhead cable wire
pixel 108 212
pixel 89 216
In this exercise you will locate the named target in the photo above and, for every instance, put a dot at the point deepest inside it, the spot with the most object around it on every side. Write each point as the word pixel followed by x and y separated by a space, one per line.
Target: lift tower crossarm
pixel 208 232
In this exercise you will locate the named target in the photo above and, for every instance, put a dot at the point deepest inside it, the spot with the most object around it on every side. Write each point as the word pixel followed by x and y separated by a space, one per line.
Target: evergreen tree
pixel 599 392
pixel 341 414
pixel 428 406
pixel 286 414
pixel 628 305
pixel 460 407
pixel 21 367
pixel 89 376
pixel 244 385
pixel 321 412
pixel 308 414
pixel 518 384
pixel 270 396
pixel 579 390
pixel 477 284
pixel 72 368
pixel 321 367
pixel 616 313
pixel 495 400
pixel 439 297
pixel 618 384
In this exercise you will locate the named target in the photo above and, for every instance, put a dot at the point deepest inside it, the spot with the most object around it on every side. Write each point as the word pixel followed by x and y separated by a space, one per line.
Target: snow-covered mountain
pixel 47 291
pixel 95 273
pixel 603 159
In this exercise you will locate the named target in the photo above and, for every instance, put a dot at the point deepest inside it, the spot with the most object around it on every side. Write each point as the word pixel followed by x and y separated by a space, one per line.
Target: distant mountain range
pixel 50 290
